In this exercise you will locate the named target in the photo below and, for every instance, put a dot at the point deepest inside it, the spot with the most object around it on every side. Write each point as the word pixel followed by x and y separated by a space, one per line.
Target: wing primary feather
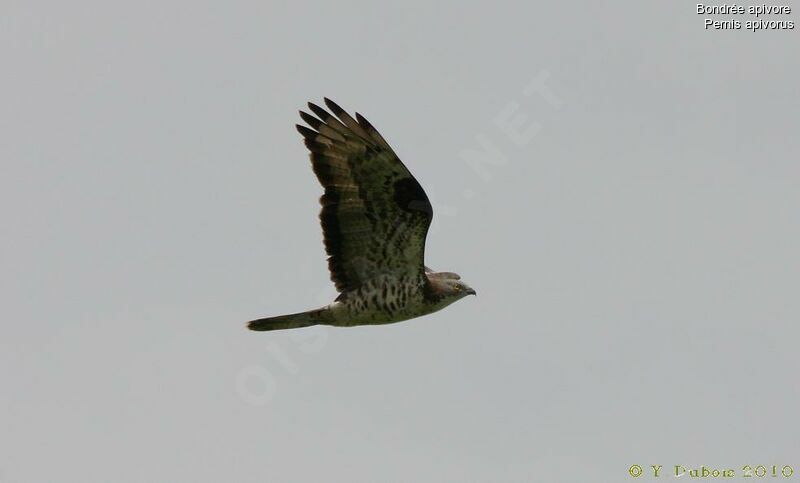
pixel 323 128
pixel 363 121
pixel 335 108
pixel 374 134
pixel 326 135
pixel 320 112
pixel 316 147
pixel 329 119
pixel 311 120
pixel 327 150
pixel 346 119
pixel 306 132
pixel 329 132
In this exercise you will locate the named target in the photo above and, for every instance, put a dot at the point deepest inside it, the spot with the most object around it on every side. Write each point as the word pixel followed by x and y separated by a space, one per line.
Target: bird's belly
pixel 373 309
pixel 383 315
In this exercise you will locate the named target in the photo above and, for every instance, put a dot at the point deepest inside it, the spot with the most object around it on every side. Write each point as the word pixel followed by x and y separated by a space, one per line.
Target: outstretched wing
pixel 375 215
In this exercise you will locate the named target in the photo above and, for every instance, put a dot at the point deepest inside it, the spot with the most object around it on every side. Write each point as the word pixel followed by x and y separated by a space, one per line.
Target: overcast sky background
pixel 634 242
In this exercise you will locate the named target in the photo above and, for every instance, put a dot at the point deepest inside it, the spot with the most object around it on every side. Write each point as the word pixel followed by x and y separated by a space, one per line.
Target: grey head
pixel 447 287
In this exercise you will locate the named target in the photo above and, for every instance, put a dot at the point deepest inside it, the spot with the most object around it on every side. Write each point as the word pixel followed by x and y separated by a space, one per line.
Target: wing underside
pixel 375 215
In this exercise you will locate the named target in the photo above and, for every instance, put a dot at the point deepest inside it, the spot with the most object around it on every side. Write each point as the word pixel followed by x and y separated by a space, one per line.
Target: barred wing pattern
pixel 375 215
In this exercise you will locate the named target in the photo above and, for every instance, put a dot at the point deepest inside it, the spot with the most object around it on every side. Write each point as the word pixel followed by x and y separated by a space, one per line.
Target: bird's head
pixel 447 287
pixel 460 289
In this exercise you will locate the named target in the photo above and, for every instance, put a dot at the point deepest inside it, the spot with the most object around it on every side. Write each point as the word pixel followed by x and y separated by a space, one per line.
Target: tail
pixel 291 321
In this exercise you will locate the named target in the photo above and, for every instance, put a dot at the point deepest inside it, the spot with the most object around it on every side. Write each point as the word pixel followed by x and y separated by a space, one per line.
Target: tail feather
pixel 290 321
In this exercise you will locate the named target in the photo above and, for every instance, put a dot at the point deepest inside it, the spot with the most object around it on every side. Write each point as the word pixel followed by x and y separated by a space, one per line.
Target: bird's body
pixel 384 301
pixel 375 217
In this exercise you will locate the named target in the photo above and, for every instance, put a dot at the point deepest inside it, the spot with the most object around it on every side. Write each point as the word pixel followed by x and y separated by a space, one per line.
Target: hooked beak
pixel 471 291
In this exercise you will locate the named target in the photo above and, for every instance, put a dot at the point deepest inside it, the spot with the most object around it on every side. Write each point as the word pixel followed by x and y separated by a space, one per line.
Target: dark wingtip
pixel 333 106
pixel 306 132
pixel 310 120
pixel 363 121
pixel 320 112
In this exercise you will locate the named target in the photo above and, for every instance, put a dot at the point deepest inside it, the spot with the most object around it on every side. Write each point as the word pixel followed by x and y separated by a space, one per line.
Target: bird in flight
pixel 375 217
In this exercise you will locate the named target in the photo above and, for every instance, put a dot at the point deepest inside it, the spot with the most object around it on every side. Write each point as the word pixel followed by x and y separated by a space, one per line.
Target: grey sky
pixel 634 246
